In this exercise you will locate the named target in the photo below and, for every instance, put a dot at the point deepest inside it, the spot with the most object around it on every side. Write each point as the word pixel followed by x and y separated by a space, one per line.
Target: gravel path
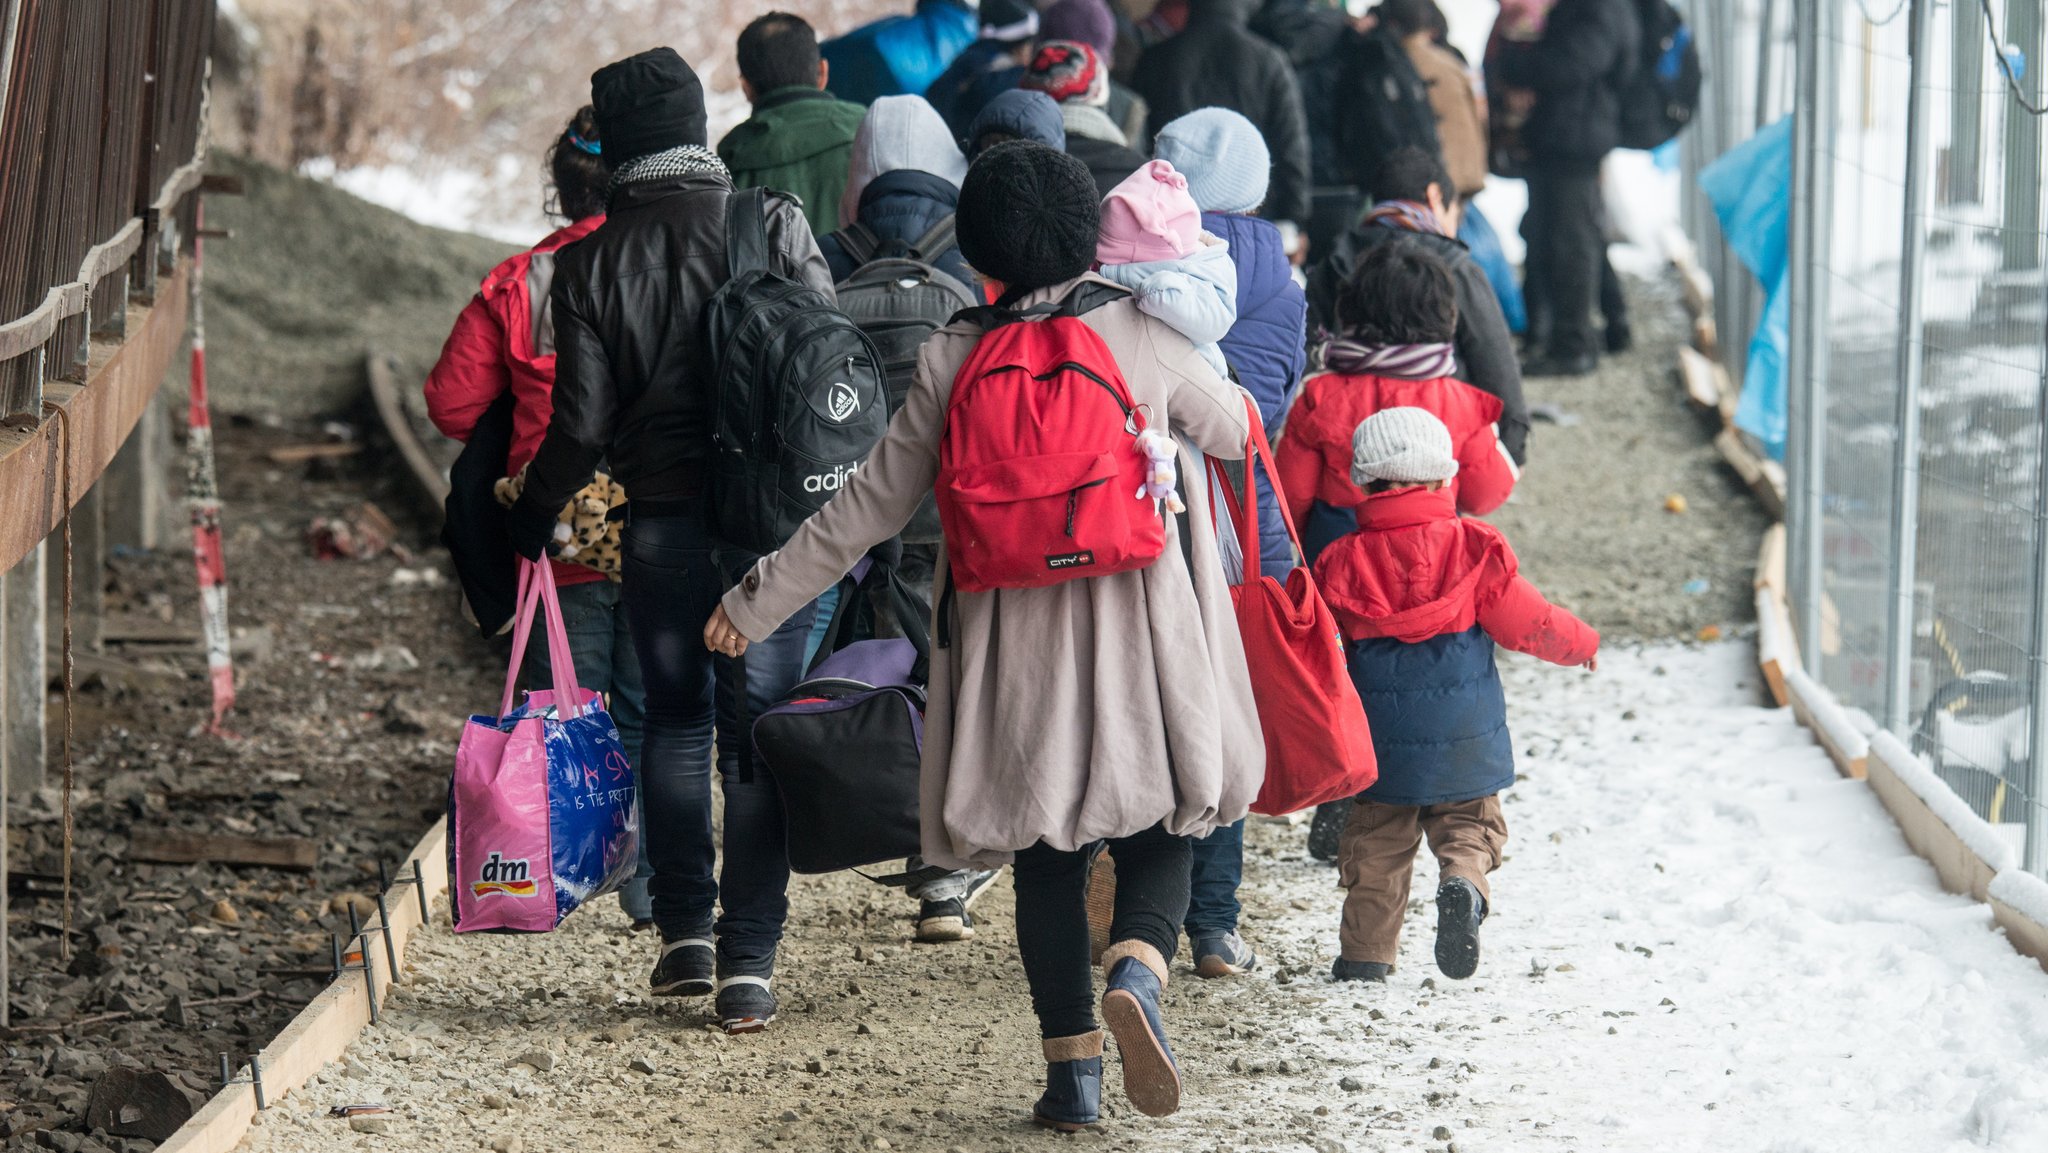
pixel 1704 943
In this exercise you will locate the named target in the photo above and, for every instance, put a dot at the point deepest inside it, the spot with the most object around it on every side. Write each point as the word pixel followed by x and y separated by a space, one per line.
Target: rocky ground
pixel 353 680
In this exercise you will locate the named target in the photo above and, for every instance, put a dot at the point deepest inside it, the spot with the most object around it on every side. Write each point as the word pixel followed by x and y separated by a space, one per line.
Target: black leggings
pixel 1052 918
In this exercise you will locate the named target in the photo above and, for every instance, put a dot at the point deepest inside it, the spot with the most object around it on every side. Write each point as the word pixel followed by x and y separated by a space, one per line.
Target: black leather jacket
pixel 629 370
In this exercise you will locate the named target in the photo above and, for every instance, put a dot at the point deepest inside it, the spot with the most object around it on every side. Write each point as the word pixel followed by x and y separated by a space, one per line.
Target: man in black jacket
pixel 1217 62
pixel 1578 71
pixel 630 388
pixel 1418 204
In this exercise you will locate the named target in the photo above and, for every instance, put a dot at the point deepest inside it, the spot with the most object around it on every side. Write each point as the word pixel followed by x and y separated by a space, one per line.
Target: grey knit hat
pixel 1028 215
pixel 1402 445
pixel 1222 155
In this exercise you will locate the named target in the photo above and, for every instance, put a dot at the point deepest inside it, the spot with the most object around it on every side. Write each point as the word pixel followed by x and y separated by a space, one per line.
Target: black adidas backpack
pixel 898 296
pixel 1660 99
pixel 1384 105
pixel 797 395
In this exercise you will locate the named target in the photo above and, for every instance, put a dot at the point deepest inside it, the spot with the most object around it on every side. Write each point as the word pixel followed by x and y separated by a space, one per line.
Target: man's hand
pixel 720 635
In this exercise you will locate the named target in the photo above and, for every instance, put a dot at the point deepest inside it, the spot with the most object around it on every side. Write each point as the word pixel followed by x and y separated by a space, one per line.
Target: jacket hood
pixel 1379 589
pixel 900 132
pixel 1021 113
pixel 1091 123
pixel 942 194
pixel 1238 12
pixel 790 126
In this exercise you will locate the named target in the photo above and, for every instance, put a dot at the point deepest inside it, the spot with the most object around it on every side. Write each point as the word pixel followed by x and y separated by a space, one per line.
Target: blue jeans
pixel 602 647
pixel 674 576
pixel 1212 882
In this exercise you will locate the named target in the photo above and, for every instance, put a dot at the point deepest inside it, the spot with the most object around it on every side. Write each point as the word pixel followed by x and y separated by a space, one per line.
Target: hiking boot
pixel 1584 364
pixel 1327 827
pixel 1344 970
pixel 744 1005
pixel 1223 955
pixel 684 968
pixel 1459 911
pixel 945 920
pixel 1073 1083
pixel 1130 1007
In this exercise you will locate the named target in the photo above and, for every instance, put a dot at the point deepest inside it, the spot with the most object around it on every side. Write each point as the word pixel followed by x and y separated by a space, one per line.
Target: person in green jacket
pixel 800 137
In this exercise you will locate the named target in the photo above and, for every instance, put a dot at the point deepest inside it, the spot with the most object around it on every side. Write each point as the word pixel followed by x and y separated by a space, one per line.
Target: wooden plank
pixel 301 453
pixel 98 414
pixel 127 628
pixel 1960 868
pixel 169 847
pixel 1728 394
pixel 1767 484
pixel 391 410
pixel 1696 373
pixel 2026 935
pixel 1777 651
pixel 1817 710
pixel 324 1028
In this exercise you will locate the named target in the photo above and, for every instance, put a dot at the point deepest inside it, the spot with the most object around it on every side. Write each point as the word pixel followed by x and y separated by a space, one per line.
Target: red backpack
pixel 1039 465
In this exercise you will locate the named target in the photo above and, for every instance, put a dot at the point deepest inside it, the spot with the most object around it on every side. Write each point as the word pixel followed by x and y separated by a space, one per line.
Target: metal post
pixel 1966 107
pixel 2023 144
pixel 1807 553
pixel 2035 853
pixel 1801 469
pixel 1906 450
pixel 1766 59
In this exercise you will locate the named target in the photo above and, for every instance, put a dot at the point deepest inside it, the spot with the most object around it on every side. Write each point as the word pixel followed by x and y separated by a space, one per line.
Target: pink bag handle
pixel 537 592
pixel 1244 510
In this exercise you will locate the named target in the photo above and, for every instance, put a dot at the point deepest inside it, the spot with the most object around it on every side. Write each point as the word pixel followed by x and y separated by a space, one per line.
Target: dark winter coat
pixel 1313 36
pixel 902 205
pixel 1108 162
pixel 1423 595
pixel 627 301
pixel 1485 347
pixel 974 78
pixel 1216 61
pixel 799 140
pixel 1579 69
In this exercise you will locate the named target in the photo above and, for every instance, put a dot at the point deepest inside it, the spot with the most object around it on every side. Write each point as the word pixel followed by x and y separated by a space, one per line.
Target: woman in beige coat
pixel 1111 709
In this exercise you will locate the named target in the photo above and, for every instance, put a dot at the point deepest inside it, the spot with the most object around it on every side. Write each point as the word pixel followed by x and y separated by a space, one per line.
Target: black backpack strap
pixel 1084 299
pixel 936 242
pixel 859 242
pixel 746 232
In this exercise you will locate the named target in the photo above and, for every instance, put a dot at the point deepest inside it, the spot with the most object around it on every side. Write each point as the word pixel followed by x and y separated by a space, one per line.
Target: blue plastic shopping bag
pixel 1751 190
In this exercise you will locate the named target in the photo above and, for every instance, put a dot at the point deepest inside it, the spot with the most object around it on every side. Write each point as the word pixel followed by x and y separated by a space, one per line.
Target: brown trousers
pixel 1376 861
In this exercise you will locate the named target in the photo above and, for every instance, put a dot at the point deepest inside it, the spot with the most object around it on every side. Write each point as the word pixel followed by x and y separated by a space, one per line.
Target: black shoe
pixel 1326 828
pixel 1620 337
pixel 1584 364
pixel 1343 970
pixel 744 1005
pixel 1459 911
pixel 684 968
pixel 947 920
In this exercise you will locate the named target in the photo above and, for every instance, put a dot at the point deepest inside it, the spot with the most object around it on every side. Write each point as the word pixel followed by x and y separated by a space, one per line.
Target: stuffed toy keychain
pixel 1163 473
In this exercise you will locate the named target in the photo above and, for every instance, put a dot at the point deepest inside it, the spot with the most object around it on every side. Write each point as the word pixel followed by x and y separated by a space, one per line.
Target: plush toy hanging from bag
pixel 586 533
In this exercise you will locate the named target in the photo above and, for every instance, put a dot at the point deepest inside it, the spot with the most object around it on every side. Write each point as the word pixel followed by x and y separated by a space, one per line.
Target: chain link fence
pixel 1919 363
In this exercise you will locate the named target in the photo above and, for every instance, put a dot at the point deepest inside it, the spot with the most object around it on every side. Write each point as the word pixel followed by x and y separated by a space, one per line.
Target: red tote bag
pixel 1318 745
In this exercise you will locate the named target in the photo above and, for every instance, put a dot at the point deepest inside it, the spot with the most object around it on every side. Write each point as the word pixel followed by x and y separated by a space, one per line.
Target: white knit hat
pixel 1402 445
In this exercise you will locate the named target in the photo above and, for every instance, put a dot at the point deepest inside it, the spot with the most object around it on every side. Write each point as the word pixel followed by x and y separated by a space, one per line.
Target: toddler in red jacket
pixel 1397 315
pixel 1423 596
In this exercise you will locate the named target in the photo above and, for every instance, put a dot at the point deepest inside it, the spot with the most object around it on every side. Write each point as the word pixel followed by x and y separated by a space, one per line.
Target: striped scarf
pixel 679 161
pixel 1407 216
pixel 1405 361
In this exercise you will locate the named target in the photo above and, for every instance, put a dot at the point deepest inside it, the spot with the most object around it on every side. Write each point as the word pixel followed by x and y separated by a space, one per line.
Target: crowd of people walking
pixel 1225 221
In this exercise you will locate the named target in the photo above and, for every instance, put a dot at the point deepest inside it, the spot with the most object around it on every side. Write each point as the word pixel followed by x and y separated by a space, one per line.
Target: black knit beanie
pixel 647 103
pixel 1028 215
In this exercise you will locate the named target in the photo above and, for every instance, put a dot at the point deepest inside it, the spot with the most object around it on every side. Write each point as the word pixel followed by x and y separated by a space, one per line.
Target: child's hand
pixel 1592 664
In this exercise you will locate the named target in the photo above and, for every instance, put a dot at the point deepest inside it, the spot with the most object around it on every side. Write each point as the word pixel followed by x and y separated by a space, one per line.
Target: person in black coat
pixel 1578 70
pixel 1216 61
pixel 1418 181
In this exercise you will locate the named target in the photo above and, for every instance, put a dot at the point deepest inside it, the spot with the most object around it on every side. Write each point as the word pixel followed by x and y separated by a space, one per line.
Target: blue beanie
pixel 1222 155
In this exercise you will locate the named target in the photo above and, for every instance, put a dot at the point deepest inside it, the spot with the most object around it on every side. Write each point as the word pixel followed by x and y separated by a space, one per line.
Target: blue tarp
pixel 1751 190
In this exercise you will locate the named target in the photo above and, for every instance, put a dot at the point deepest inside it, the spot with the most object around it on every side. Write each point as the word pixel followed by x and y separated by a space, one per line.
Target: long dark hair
pixel 577 172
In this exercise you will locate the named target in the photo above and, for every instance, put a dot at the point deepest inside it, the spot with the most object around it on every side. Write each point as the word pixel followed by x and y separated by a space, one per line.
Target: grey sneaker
pixel 1223 955
pixel 978 882
pixel 744 1004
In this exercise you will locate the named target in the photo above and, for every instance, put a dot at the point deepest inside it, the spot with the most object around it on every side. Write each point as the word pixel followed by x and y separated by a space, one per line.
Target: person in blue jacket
pixel 900 55
pixel 994 63
pixel 1226 162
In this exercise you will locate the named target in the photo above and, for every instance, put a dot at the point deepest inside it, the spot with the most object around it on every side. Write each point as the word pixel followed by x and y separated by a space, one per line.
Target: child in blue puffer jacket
pixel 1226 163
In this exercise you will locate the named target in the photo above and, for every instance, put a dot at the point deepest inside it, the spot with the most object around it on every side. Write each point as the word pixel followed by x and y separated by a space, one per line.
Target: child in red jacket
pixel 1397 313
pixel 1423 595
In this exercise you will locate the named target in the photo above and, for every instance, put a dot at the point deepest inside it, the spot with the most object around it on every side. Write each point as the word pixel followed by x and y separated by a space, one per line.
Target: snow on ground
pixel 1704 940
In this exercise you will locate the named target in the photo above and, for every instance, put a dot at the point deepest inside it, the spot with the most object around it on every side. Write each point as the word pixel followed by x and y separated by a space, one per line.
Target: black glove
pixel 531 528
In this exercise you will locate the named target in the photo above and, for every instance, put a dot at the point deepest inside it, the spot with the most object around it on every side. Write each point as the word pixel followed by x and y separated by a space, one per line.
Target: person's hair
pixel 1404 18
pixel 988 140
pixel 1376 487
pixel 1399 293
pixel 1406 174
pixel 577 177
pixel 779 50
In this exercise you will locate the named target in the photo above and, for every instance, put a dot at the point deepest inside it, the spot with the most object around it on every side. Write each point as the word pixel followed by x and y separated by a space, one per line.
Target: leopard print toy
pixel 585 533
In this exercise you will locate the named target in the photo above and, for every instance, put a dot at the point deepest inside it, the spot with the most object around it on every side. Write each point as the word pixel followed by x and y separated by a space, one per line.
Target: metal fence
pixel 1918 568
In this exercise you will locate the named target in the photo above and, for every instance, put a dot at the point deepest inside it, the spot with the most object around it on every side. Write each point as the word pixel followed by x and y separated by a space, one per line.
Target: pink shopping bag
pixel 541 810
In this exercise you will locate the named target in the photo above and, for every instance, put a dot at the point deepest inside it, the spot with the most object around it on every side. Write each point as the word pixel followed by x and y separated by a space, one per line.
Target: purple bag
pixel 541 812
pixel 844 746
